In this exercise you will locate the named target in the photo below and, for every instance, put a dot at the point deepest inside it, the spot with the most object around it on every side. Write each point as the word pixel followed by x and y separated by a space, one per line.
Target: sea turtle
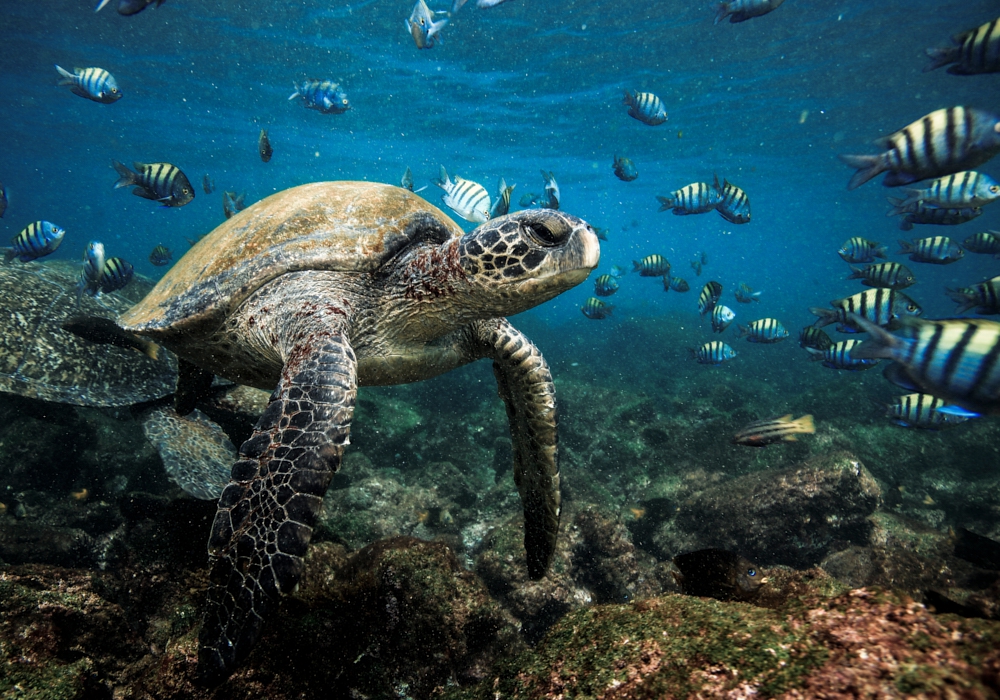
pixel 324 287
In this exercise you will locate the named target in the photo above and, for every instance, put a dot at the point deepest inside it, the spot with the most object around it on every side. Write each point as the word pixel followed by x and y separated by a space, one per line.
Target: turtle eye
pixel 542 234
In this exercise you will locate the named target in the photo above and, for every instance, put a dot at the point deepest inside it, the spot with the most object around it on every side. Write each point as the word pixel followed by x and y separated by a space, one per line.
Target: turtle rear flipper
pixel 524 382
pixel 197 455
pixel 266 514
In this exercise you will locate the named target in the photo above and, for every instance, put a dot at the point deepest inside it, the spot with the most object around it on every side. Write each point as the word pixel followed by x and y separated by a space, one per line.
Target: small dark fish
pixel 502 204
pixel 264 146
pixel 93 83
pixel 207 184
pixel 654 265
pixel 696 266
pixel 973 52
pixel 838 356
pixel 943 142
pixel 36 240
pixel 596 309
pixel 646 107
pixel 985 243
pixel 90 275
pixel 324 96
pixel 815 338
pixel 861 250
pixel 767 432
pixel 422 27
pixel 976 549
pixel 160 182
pixel 406 182
pixel 709 296
pixel 735 205
pixel 529 199
pixel 130 7
pixel 625 169
pixel 714 352
pixel 722 316
pixel 965 189
pixel 717 573
pixel 696 198
pixel 890 275
pixel 925 412
pixel 161 256
pixel 116 274
pixel 679 284
pixel 745 294
pixel 885 307
pixel 601 232
pixel 551 190
pixel 742 10
pixel 939 250
pixel 953 359
pixel 763 330
pixel 232 203
pixel 617 271
pixel 985 296
pixel 704 257
pixel 605 285
pixel 3 200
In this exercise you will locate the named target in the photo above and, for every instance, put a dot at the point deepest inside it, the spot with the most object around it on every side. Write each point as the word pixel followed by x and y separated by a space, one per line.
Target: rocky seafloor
pixel 416 588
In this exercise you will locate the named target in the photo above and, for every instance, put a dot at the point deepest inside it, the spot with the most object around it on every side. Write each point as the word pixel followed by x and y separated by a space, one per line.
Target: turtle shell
pixel 40 360
pixel 338 226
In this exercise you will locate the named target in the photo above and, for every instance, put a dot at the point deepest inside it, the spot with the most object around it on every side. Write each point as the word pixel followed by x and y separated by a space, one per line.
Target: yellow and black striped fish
pixel 763 330
pixel 264 146
pixel 954 359
pixel 160 182
pixel 714 352
pixel 767 432
pixel 709 296
pixel 468 199
pixel 939 250
pixel 160 256
pixel 502 205
pixel 605 285
pixel 815 338
pixel 965 189
pixel 654 265
pixel 885 307
pixel 975 51
pixel 984 243
pixel 890 275
pixel 696 198
pixel 735 205
pixel 861 250
pixel 36 240
pixel 93 83
pixel 943 142
pixel 646 107
pixel 925 411
pixel 116 274
pixel 596 309
pixel 985 296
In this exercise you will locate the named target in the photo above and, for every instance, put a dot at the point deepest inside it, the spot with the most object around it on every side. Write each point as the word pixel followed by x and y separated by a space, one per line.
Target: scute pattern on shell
pixel 40 360
pixel 338 226
pixel 196 453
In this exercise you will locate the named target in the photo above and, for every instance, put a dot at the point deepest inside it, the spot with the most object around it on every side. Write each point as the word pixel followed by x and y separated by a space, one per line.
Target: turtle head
pixel 520 260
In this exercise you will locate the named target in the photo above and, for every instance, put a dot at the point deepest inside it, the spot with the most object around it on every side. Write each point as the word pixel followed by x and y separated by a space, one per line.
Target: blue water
pixel 527 85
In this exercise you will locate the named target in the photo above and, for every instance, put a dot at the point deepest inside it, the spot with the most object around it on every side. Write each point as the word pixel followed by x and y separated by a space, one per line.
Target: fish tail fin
pixel 906 224
pixel 806 424
pixel 299 94
pixel 127 177
pixel 905 247
pixel 815 354
pixel 964 299
pixel 65 77
pixel 665 203
pixel 881 252
pixel 880 344
pixel 636 266
pixel 942 57
pixel 8 255
pixel 628 99
pixel 721 11
pixel 856 273
pixel 826 316
pixel 104 331
pixel 443 181
pixel 742 331
pixel 867 167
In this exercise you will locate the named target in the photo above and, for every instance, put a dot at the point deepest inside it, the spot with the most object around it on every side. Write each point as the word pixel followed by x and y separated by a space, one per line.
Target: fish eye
pixel 751 572
pixel 995 188
pixel 911 307
pixel 114 90
pixel 185 190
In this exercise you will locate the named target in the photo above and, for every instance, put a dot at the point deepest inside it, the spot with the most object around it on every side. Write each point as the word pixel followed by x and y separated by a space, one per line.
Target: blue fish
pixel 36 240
pixel 422 27
pixel 838 356
pixel 605 285
pixel 625 169
pixel 93 268
pixel 93 83
pixel 324 96
pixel 714 352
pixel 596 309
pixel 764 330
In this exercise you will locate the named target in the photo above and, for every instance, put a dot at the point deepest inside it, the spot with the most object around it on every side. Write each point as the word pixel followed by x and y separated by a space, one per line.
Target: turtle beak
pixel 580 252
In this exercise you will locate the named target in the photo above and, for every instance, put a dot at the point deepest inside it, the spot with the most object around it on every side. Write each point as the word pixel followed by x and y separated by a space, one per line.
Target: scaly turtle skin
pixel 322 288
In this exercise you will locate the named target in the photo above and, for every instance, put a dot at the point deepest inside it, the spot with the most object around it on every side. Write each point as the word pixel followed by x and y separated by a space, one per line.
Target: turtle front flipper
pixel 525 385
pixel 266 514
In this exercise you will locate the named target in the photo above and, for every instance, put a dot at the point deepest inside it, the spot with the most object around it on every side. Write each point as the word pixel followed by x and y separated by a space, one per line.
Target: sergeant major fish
pixel 838 356
pixel 924 411
pixel 160 182
pixel 36 240
pixel 890 275
pixel 714 352
pixel 502 204
pixel 722 316
pixel 763 330
pixel 943 142
pixel 734 206
pixel 973 52
pixel 605 285
pixel 264 146
pixel 696 198
pixel 938 250
pixel 90 275
pixel 117 273
pixel 551 190
pixel 654 265
pixel 984 297
pixel 861 250
pixel 965 189
pixel 646 107
pixel 468 199
pixel 885 307
pixel 678 284
pixel 815 338
pixel 709 296
pixel 624 169
pixel 93 83
pixel 742 10
pixel 920 213
pixel 769 431
pixel 422 27
pixel 324 96
pixel 596 309
pixel 160 256
pixel 984 242
pixel 207 184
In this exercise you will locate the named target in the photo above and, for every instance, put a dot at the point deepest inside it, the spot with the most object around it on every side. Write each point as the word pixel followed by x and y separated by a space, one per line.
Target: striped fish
pixel 696 198
pixel 985 242
pixel 596 309
pixel 93 83
pixel 90 275
pixel 925 411
pixel 939 250
pixel 943 142
pixel 885 307
pixel 745 294
pixel 551 190
pixel 921 214
pixel 423 28
pixel 838 356
pixel 160 255
pixel 654 265
pixel 722 316
pixel 36 240
pixel 763 330
pixel 975 51
pixel 714 352
pixel 678 284
pixel 468 199
pixel 890 275
pixel 324 96
pixel 965 189
pixel 861 250
pixel 761 433
pixel 735 205
pixel 116 274
pixel 161 182
pixel 646 107
pixel 816 338
pixel 957 360
pixel 985 296
pixel 709 297
pixel 742 10
pixel 502 205
pixel 605 285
